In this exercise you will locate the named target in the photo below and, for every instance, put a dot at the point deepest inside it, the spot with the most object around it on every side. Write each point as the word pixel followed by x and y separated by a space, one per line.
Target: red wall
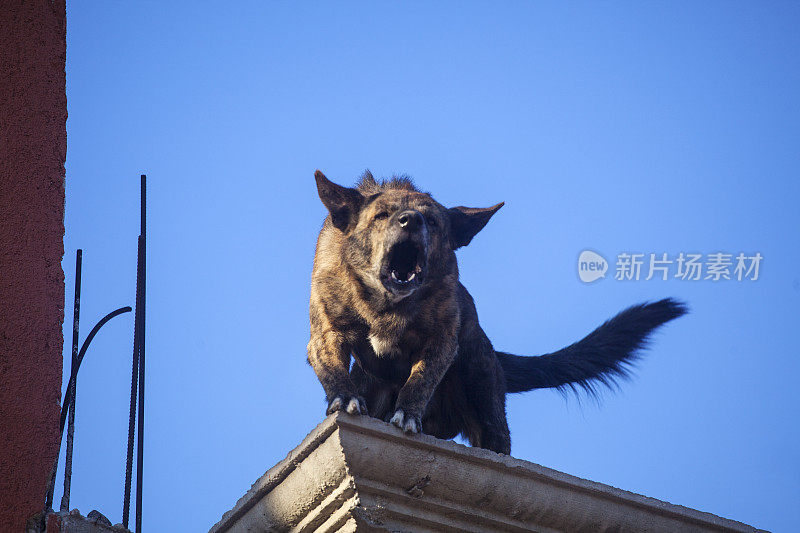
pixel 33 144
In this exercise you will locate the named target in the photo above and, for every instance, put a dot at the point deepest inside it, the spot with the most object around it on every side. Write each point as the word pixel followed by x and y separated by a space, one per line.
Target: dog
pixel 385 291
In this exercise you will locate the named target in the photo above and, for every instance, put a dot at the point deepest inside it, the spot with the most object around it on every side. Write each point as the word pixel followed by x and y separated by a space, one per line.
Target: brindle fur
pixel 421 359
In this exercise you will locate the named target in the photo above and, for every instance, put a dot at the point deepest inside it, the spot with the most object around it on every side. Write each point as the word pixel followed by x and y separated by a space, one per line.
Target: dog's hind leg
pixel 489 429
pixel 485 422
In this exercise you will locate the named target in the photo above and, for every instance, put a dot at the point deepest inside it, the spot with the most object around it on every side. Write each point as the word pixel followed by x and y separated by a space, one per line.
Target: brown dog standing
pixel 385 291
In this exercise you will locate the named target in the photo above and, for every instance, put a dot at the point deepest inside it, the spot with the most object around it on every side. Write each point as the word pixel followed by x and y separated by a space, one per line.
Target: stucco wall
pixel 33 144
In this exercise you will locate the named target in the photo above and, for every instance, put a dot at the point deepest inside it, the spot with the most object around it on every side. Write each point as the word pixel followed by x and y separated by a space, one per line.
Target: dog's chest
pixel 384 357
pixel 393 337
pixel 385 345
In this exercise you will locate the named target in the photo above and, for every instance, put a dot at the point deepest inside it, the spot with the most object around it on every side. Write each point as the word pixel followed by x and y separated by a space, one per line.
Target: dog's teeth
pixel 407 278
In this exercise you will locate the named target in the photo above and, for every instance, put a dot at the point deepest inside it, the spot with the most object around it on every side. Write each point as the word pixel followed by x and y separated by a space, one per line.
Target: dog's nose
pixel 410 220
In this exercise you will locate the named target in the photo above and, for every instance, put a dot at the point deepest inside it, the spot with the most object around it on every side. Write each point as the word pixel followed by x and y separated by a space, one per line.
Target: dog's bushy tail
pixel 601 358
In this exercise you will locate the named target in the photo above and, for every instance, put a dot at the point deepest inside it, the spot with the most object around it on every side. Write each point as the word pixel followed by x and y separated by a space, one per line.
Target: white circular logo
pixel 591 266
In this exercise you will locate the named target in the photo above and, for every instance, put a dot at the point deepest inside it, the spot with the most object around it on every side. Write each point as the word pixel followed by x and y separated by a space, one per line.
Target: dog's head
pixel 397 238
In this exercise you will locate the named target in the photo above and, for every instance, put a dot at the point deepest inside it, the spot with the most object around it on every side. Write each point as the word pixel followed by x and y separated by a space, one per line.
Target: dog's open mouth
pixel 405 265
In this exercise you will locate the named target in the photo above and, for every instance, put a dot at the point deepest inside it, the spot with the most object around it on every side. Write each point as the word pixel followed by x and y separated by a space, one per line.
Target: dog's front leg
pixel 426 374
pixel 329 355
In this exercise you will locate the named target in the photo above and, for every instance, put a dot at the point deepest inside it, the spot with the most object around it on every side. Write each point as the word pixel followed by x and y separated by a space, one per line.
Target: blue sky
pixel 617 127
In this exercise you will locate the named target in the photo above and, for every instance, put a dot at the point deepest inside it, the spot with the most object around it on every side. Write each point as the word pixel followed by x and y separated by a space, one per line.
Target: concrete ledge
pixel 354 473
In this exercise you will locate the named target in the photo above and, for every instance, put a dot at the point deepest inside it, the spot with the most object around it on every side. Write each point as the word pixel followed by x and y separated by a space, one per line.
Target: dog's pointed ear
pixel 343 203
pixel 466 222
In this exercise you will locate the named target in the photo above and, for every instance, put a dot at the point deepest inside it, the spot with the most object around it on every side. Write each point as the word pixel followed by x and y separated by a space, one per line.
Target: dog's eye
pixel 382 215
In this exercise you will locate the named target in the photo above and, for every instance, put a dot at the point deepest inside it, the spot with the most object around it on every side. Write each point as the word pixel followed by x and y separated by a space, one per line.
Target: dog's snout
pixel 410 220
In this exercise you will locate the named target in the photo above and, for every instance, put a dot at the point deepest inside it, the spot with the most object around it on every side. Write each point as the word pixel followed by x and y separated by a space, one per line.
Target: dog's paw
pixel 408 423
pixel 355 405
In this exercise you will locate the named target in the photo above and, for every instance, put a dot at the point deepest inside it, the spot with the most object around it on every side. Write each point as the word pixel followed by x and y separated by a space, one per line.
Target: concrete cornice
pixel 355 473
